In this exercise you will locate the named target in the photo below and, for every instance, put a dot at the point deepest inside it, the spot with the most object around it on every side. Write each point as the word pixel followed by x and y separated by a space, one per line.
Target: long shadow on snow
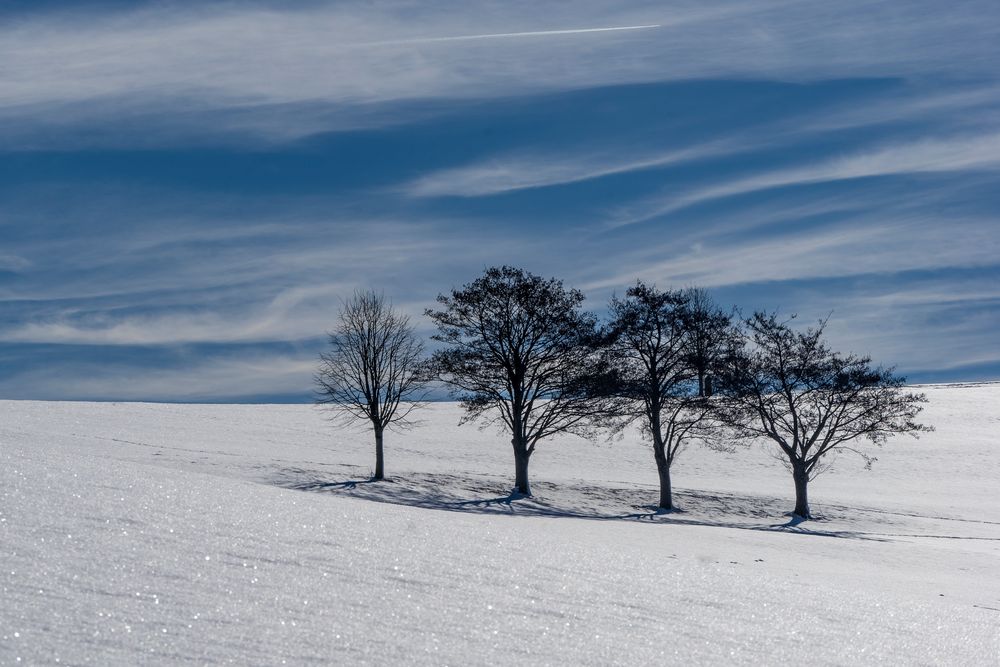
pixel 485 495
pixel 793 525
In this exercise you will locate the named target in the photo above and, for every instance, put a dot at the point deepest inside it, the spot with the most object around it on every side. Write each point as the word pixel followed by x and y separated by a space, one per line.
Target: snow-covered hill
pixel 151 533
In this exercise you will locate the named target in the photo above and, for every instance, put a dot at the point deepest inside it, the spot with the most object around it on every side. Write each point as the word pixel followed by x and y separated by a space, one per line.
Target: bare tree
pixel 655 341
pixel 520 352
pixel 709 332
pixel 374 369
pixel 787 386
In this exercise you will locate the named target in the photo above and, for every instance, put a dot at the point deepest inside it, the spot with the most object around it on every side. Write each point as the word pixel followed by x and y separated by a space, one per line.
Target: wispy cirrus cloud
pixel 250 374
pixel 955 154
pixel 860 245
pixel 965 118
pixel 511 173
pixel 225 63
pixel 296 313
pixel 507 35
pixel 893 321
pixel 129 276
pixel 189 189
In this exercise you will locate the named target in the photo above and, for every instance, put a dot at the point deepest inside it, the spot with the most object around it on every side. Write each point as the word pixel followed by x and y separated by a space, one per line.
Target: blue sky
pixel 187 190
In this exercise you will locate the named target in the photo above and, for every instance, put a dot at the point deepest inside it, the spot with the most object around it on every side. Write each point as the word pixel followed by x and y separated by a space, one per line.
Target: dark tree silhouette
pixel 709 332
pixel 787 386
pixel 374 369
pixel 519 351
pixel 655 340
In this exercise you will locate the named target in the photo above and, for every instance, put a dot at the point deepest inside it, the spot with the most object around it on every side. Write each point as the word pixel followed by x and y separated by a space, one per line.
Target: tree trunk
pixel 662 468
pixel 666 498
pixel 801 478
pixel 521 457
pixel 379 457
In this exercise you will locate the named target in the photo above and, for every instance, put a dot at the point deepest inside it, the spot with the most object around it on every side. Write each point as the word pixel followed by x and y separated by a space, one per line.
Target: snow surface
pixel 158 533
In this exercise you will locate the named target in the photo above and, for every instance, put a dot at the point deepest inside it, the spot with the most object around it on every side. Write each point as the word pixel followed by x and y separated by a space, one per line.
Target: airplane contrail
pixel 500 35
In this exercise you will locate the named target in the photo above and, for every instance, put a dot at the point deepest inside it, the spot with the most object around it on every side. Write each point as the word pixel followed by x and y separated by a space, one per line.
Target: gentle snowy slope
pixel 161 533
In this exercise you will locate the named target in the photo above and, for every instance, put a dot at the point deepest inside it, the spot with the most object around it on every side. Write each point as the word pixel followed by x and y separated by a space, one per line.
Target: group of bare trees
pixel 518 350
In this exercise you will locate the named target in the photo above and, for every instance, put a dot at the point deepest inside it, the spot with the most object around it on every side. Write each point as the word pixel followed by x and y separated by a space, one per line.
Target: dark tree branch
pixel 519 351
pixel 787 386
pixel 374 369
pixel 664 347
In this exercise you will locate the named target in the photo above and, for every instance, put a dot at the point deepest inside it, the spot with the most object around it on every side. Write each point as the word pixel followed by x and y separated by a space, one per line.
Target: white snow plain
pixel 247 534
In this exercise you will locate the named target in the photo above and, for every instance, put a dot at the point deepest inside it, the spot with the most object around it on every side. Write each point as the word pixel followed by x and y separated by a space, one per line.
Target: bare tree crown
pixel 518 351
pixel 374 369
pixel 790 388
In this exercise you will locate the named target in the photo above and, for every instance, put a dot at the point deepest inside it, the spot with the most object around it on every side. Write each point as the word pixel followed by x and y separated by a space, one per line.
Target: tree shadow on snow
pixel 347 485
pixel 578 499
pixel 741 521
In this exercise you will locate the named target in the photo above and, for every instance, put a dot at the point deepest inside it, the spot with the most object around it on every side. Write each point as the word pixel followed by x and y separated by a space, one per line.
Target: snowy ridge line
pixel 432 400
pixel 973 384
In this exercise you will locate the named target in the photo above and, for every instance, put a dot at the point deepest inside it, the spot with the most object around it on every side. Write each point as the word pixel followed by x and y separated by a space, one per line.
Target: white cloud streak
pixel 930 155
pixel 512 173
pixel 504 35
pixel 231 378
pixel 174 63
pixel 299 312
pixel 205 280
pixel 939 324
pixel 971 110
pixel 863 245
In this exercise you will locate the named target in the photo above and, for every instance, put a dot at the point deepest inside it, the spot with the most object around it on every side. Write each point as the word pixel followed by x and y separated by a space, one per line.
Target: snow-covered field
pixel 145 533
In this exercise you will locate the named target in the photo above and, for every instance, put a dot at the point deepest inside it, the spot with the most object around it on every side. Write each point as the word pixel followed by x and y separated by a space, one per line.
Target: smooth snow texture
pixel 145 533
